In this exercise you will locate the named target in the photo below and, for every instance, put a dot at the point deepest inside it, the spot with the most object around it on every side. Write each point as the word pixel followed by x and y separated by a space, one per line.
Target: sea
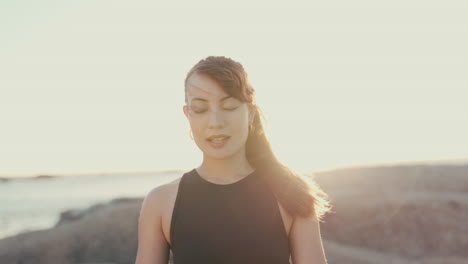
pixel 28 204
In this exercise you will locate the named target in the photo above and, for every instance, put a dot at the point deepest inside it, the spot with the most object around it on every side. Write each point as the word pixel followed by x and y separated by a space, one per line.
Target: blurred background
pixel 368 98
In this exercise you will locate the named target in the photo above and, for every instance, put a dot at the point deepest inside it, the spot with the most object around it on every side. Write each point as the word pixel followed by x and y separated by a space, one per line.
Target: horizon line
pixel 331 168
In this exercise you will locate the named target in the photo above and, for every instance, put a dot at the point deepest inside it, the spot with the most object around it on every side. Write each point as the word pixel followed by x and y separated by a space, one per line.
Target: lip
pixel 217 136
pixel 218 144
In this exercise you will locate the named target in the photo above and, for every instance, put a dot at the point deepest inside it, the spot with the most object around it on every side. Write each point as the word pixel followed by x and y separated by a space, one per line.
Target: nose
pixel 216 119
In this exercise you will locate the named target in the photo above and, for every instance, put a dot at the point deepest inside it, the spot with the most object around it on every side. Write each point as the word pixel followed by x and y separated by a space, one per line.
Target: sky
pixel 97 86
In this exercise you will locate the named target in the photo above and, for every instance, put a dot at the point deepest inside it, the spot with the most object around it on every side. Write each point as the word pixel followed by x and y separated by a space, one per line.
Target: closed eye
pixel 202 111
pixel 231 109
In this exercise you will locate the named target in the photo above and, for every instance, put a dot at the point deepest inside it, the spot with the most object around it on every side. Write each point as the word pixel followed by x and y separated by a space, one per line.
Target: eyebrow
pixel 201 99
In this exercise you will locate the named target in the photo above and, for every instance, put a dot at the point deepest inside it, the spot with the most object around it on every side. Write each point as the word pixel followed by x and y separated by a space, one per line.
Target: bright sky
pixel 97 86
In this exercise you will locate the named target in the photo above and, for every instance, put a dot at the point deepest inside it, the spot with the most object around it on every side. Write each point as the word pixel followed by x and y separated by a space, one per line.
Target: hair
pixel 299 195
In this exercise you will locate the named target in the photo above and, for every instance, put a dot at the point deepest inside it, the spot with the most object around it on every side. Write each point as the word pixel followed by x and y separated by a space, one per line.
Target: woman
pixel 241 205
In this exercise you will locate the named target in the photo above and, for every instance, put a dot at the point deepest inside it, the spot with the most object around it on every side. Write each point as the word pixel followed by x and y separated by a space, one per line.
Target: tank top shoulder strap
pixel 180 188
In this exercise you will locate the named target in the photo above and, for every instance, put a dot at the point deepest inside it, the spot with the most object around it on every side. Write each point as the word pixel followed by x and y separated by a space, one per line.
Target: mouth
pixel 218 141
pixel 218 138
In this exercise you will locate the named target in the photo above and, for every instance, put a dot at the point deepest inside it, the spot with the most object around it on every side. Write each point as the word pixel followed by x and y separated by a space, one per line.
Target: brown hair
pixel 299 195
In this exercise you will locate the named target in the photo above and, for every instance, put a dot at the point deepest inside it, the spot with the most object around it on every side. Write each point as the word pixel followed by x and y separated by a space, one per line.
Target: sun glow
pixel 106 93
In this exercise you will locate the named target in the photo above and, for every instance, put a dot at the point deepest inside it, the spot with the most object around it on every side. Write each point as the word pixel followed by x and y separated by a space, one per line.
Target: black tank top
pixel 238 223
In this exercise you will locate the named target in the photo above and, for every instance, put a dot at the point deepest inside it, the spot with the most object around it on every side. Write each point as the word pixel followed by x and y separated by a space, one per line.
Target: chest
pixel 169 204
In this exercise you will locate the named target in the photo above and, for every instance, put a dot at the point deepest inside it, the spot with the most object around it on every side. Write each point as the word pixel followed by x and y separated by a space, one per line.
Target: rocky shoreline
pixel 399 214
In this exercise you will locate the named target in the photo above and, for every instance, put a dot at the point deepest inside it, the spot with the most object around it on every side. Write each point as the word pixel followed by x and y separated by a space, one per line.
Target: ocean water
pixel 33 204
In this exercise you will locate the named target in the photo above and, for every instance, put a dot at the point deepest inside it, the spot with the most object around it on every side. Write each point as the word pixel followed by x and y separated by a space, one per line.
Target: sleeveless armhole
pixel 174 212
pixel 285 231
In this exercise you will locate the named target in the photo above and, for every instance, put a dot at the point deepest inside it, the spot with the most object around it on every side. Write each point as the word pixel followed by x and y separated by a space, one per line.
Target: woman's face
pixel 212 112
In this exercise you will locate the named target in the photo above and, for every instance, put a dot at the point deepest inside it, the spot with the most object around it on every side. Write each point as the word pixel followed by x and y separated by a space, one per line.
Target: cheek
pixel 197 125
pixel 240 123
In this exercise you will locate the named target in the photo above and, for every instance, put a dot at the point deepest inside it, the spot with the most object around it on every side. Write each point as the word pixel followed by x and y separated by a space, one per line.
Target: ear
pixel 185 109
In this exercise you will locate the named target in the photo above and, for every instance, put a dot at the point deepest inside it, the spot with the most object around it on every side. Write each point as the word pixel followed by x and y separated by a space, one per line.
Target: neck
pixel 225 169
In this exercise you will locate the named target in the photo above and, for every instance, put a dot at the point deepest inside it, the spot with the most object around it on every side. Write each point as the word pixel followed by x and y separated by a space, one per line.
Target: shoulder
pixel 157 199
pixel 166 188
pixel 161 199
pixel 152 225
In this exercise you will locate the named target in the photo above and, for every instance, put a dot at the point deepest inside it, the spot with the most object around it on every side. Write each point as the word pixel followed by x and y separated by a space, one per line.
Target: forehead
pixel 201 85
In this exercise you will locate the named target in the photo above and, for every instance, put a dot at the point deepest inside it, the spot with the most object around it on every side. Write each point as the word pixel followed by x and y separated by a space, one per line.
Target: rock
pixel 395 215
pixel 103 233
pixel 4 179
pixel 41 177
pixel 412 211
pixel 76 214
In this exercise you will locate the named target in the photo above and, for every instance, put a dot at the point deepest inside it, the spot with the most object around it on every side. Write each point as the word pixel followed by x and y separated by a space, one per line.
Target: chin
pixel 220 154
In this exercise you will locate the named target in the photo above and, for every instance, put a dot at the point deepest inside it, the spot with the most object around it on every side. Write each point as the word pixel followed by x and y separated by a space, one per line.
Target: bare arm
pixel 306 242
pixel 152 246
